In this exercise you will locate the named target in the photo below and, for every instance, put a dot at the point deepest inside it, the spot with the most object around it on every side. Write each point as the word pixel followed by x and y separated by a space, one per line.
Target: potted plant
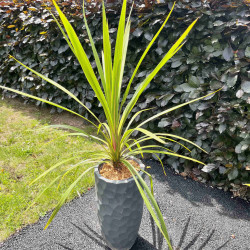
pixel 120 186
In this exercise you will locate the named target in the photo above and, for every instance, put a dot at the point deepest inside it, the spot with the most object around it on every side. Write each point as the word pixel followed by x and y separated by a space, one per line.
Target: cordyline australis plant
pixel 114 135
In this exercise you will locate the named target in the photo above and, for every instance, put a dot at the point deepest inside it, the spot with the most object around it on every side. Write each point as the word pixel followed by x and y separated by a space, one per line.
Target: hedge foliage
pixel 216 54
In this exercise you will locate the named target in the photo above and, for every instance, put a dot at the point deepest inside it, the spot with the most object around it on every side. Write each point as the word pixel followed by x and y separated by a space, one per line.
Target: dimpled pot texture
pixel 120 208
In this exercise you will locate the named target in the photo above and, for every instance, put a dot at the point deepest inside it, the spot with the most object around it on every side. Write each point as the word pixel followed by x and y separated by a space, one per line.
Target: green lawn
pixel 25 152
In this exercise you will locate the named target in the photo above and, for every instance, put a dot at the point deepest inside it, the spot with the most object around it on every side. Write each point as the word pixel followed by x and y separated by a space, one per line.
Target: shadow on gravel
pixel 158 244
pixel 158 239
pixel 92 234
pixel 140 244
pixel 64 247
pixel 198 194
pixel 156 234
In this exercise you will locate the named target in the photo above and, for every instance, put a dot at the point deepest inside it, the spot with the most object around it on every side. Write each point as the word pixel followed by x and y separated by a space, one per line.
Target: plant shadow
pixel 92 234
pixel 64 247
pixel 199 194
pixel 157 238
pixel 182 244
pixel 140 244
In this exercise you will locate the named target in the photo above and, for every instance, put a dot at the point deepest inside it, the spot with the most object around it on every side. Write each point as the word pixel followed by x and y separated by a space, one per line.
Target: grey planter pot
pixel 120 208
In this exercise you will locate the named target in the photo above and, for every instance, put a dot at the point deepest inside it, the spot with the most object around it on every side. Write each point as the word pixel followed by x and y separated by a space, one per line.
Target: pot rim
pixel 142 166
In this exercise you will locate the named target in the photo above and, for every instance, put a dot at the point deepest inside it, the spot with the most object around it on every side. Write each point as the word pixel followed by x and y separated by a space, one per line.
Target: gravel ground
pixel 197 217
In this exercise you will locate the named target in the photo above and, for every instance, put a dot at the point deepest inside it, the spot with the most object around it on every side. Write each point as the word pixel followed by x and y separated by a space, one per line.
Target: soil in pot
pixel 121 172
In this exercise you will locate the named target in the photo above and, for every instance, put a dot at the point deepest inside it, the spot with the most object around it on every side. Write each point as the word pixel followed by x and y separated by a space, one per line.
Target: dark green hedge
pixel 217 53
